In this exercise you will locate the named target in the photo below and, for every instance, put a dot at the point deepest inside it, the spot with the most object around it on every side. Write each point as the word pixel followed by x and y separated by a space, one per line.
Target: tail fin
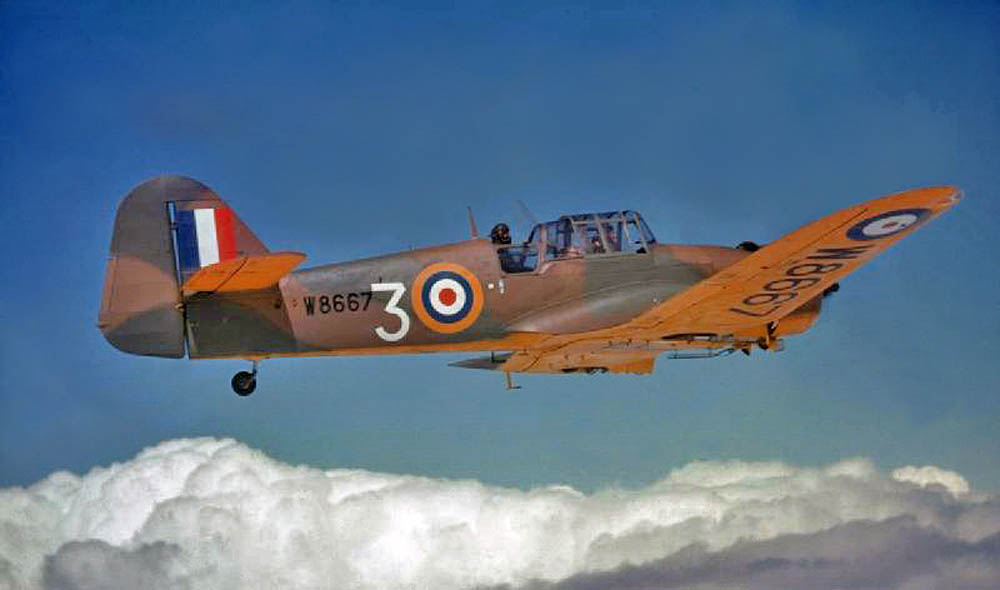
pixel 141 305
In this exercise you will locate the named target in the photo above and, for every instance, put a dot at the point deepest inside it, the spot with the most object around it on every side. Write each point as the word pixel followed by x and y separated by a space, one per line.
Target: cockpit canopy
pixel 584 234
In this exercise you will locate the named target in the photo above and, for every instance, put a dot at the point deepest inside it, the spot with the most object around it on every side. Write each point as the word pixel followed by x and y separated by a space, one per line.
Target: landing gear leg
pixel 765 342
pixel 510 381
pixel 245 383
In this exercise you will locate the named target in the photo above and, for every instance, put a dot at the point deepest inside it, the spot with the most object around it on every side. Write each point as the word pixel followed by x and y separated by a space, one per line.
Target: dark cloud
pixel 96 565
pixel 897 553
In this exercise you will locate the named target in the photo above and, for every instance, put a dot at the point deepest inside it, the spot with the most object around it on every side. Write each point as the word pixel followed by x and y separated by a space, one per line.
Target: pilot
pixel 500 234
pixel 609 232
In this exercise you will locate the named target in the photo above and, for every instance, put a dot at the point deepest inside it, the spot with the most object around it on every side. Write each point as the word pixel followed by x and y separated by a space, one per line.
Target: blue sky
pixel 351 129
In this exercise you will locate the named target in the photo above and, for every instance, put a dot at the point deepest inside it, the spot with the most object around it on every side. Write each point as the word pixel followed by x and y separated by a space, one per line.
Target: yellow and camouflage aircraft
pixel 590 293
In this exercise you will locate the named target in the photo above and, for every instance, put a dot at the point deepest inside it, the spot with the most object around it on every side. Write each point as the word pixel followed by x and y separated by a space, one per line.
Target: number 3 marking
pixel 397 290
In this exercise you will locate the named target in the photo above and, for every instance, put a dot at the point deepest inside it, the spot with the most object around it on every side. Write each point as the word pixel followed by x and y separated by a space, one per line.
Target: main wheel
pixel 244 383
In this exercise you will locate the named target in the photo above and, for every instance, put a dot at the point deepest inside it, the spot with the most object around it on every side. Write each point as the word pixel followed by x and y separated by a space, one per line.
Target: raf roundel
pixel 886 224
pixel 448 297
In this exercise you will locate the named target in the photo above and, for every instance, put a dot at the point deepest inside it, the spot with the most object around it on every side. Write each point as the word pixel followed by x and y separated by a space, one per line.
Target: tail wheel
pixel 244 383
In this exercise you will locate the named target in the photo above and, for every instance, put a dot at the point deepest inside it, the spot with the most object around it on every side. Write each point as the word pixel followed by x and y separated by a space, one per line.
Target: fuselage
pixel 332 309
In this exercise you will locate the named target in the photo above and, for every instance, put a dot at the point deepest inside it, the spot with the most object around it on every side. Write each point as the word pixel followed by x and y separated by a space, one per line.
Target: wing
pixel 780 277
pixel 760 289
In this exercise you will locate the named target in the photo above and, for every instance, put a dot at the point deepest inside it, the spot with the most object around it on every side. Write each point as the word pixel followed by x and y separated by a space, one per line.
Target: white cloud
pixel 930 475
pixel 208 513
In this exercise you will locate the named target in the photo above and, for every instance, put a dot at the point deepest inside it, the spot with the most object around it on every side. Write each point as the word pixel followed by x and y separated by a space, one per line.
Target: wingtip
pixel 950 196
pixel 957 194
pixel 937 198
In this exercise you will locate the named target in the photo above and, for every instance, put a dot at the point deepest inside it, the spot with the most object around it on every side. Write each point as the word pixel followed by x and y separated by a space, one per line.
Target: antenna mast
pixel 472 224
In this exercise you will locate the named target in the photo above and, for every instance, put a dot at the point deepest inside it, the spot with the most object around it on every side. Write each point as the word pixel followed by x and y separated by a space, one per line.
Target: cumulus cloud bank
pixel 205 513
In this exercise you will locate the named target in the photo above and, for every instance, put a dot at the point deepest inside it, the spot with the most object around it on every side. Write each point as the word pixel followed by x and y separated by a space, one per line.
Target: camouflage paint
pixel 615 311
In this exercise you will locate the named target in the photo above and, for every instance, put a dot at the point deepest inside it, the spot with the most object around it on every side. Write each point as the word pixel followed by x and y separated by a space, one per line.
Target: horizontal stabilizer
pixel 245 273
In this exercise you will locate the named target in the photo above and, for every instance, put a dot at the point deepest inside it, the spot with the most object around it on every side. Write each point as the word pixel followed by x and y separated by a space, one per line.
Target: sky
pixel 352 129
pixel 345 130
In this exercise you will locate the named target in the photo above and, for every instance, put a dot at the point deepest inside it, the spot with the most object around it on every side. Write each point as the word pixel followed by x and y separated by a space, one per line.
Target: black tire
pixel 244 383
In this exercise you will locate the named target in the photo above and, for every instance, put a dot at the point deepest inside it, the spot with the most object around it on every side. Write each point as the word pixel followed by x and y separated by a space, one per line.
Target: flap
pixel 245 273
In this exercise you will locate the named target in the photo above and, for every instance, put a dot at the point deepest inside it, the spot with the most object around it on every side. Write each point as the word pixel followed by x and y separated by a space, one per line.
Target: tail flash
pixel 204 237
pixel 141 305
pixel 208 232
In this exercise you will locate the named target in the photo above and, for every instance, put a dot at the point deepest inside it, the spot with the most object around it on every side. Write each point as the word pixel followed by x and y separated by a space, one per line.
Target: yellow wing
pixel 780 277
pixel 754 292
